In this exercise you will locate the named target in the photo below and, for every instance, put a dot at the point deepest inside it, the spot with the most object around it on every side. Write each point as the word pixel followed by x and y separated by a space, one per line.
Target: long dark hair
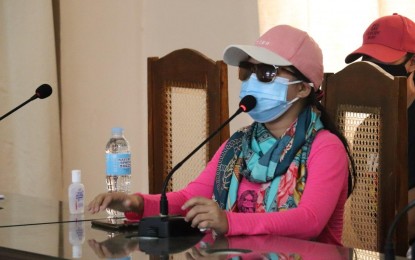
pixel 314 100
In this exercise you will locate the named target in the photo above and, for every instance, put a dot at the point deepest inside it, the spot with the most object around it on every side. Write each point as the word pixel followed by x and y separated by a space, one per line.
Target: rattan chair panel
pixel 360 126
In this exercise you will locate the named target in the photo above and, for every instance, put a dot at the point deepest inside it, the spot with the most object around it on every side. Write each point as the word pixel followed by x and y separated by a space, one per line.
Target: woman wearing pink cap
pixel 287 173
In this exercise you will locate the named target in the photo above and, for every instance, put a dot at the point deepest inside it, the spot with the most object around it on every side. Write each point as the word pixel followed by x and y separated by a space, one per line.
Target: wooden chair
pixel 187 100
pixel 369 107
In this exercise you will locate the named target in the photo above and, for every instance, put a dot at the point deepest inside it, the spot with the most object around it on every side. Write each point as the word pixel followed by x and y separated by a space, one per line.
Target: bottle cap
pixel 76 175
pixel 117 131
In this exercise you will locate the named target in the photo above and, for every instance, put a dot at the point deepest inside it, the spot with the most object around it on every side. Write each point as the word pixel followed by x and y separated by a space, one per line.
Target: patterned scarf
pixel 253 153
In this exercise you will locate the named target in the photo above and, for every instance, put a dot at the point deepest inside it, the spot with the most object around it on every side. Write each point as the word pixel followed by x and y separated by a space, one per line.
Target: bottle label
pixel 79 199
pixel 118 164
pixel 76 198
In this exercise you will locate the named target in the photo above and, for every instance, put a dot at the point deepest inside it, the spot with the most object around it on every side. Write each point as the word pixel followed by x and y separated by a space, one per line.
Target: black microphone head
pixel 247 103
pixel 43 91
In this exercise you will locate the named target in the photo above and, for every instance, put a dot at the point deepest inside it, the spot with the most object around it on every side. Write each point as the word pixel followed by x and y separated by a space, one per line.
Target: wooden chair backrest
pixel 369 107
pixel 187 100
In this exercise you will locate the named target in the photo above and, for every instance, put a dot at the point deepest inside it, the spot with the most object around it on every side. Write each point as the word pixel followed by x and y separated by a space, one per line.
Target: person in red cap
pixel 287 173
pixel 389 42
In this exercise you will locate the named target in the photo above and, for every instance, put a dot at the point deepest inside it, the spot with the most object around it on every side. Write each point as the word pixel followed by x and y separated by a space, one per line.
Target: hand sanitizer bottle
pixel 76 194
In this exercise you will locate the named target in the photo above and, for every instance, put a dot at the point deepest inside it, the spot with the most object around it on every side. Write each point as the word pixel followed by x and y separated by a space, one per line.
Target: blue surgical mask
pixel 271 97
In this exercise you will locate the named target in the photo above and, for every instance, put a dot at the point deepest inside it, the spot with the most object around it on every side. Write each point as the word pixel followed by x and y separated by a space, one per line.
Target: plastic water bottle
pixel 76 193
pixel 118 165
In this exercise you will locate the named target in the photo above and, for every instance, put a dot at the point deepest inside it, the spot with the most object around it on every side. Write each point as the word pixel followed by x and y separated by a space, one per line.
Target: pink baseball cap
pixel 387 39
pixel 282 45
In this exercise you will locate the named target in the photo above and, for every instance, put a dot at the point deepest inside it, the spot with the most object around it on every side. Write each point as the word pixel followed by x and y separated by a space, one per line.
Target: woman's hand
pixel 206 214
pixel 119 201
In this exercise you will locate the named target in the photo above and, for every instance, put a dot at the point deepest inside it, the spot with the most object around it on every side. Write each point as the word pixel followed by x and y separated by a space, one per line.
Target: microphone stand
pixel 164 226
pixel 163 200
pixel 389 247
pixel 43 91
pixel 19 106
pixel 173 226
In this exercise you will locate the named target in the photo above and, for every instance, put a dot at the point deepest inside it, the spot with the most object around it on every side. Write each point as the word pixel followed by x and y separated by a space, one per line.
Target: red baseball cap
pixel 282 45
pixel 387 39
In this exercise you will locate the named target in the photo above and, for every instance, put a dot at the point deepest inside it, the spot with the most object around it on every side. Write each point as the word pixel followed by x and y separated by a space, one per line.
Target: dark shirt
pixel 411 145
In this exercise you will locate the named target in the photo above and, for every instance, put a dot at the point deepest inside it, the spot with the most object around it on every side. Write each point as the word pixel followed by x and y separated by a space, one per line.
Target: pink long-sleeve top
pixel 318 216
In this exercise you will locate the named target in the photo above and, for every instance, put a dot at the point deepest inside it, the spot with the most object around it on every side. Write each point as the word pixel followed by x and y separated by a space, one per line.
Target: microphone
pixel 43 91
pixel 164 225
pixel 389 247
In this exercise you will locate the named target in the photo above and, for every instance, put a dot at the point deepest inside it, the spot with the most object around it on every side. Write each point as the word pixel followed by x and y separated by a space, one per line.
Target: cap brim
pixel 379 52
pixel 234 54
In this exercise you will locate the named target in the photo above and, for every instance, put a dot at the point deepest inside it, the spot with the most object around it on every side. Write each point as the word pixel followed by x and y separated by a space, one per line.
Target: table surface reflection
pixel 33 228
pixel 17 209
pixel 79 240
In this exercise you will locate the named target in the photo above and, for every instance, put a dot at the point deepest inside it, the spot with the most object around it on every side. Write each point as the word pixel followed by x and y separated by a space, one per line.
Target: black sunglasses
pixel 266 72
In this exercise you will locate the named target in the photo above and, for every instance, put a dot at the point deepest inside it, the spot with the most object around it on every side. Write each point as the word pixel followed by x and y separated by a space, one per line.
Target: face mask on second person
pixel 398 70
pixel 394 70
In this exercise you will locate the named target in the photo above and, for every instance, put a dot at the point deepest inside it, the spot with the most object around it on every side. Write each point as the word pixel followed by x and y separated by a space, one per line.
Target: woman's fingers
pixel 202 220
pixel 194 211
pixel 120 201
pixel 198 201
pixel 113 200
pixel 206 214
pixel 107 201
pixel 95 204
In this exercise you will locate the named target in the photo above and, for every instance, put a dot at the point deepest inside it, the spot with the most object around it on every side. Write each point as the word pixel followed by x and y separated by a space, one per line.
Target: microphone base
pixel 166 226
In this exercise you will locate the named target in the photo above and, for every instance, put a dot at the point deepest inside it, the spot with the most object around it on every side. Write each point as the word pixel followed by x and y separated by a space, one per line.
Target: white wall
pixel 30 158
pixel 105 45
